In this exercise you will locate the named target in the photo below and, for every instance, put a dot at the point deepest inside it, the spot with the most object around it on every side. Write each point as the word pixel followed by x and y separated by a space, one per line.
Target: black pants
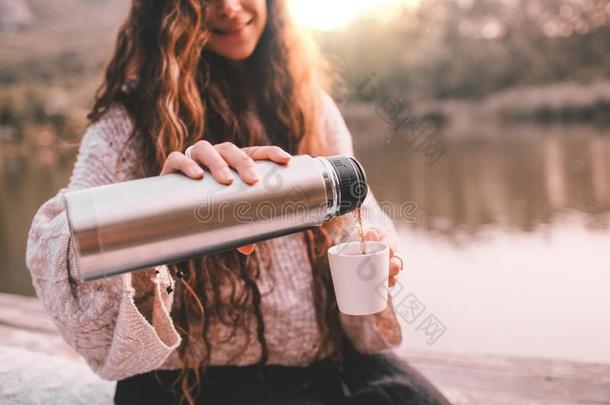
pixel 380 379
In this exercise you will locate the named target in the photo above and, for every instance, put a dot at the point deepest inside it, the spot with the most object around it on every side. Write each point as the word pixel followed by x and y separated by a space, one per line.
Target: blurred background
pixel 483 126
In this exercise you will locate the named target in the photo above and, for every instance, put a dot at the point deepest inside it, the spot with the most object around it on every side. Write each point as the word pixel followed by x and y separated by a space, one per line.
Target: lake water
pixel 507 242
pixel 506 236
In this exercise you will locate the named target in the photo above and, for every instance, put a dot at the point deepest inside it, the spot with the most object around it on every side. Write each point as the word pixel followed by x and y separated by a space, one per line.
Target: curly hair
pixel 178 92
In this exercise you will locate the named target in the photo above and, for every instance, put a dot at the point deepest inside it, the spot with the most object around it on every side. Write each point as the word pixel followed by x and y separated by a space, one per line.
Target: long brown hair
pixel 176 93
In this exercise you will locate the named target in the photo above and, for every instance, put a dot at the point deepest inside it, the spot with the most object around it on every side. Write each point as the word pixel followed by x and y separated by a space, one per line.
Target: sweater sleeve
pixel 382 331
pixel 108 321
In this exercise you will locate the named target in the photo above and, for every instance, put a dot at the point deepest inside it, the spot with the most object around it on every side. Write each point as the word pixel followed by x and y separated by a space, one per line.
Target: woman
pixel 228 82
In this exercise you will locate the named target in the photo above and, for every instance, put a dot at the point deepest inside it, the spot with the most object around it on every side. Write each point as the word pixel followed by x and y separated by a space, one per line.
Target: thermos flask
pixel 136 224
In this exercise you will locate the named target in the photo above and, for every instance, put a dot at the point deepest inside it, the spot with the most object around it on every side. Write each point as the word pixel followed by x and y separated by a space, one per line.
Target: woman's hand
pixel 395 262
pixel 386 322
pixel 218 159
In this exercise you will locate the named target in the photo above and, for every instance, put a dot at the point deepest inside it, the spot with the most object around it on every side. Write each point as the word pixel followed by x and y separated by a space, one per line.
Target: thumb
pixel 371 234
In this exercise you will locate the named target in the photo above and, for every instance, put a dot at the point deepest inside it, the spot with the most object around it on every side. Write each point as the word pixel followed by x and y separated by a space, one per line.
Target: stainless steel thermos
pixel 137 224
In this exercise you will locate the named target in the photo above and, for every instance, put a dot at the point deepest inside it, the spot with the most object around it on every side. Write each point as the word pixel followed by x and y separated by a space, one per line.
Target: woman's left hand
pixel 396 265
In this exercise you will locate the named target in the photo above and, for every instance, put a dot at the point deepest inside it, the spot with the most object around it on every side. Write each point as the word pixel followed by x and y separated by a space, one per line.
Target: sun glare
pixel 335 14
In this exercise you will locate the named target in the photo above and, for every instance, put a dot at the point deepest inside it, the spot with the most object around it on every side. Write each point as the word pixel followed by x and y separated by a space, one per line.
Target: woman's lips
pixel 231 31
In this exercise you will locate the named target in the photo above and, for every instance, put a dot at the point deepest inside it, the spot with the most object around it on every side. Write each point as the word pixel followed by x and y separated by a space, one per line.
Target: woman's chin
pixel 235 55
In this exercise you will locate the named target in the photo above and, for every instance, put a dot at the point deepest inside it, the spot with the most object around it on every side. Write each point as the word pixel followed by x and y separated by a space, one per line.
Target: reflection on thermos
pixel 146 222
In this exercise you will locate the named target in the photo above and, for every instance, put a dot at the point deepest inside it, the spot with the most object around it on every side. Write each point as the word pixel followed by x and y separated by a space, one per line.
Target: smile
pixel 232 31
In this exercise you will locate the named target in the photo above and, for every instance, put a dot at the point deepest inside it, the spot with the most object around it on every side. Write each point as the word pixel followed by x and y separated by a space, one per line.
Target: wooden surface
pixel 464 379
pixel 476 379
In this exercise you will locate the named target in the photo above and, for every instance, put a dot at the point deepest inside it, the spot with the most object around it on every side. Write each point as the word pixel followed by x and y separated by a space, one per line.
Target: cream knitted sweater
pixel 122 325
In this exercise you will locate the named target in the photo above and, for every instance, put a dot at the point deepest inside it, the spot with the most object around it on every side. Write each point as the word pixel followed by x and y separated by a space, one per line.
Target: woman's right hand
pixel 218 159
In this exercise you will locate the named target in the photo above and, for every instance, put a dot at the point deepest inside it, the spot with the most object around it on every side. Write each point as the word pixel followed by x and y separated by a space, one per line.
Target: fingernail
pixel 196 170
pixel 226 174
pixel 253 174
pixel 285 154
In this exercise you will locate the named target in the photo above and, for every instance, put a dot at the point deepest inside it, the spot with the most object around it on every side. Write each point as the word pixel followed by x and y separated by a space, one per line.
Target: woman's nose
pixel 228 8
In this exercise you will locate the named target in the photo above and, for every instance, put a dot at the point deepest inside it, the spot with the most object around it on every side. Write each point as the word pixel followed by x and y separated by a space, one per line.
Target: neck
pixel 238 68
pixel 240 77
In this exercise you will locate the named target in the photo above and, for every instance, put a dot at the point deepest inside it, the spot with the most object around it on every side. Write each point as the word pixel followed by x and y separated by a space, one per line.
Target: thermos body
pixel 137 224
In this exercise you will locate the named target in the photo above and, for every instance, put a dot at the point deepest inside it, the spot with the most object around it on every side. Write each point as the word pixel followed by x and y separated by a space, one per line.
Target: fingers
pixel 273 153
pixel 392 244
pixel 392 281
pixel 220 158
pixel 246 249
pixel 396 265
pixel 205 153
pixel 177 162
pixel 376 235
pixel 239 160
pixel 371 234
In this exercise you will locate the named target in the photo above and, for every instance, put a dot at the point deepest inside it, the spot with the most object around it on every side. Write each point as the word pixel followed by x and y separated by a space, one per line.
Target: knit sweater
pixel 122 325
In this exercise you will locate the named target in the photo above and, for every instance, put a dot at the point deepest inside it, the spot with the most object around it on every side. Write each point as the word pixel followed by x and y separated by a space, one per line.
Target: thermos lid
pixel 352 182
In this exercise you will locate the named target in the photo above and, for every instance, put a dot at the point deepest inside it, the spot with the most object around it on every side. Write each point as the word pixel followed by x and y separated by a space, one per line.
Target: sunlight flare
pixel 335 14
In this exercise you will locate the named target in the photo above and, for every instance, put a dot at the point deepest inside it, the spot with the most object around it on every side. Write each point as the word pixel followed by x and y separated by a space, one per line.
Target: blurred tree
pixel 471 48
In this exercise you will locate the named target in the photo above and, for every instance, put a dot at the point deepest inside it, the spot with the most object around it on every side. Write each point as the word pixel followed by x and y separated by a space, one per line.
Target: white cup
pixel 360 280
